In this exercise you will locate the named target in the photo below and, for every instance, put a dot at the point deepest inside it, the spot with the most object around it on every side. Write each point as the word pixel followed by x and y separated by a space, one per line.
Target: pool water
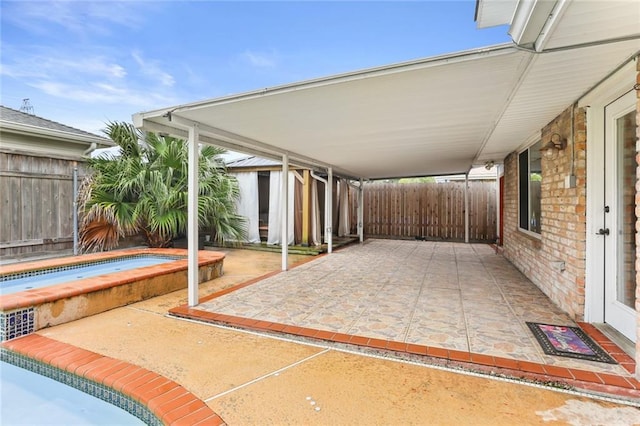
pixel 52 277
pixel 27 398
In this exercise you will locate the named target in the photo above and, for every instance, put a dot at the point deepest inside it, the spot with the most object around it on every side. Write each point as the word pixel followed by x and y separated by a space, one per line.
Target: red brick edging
pixel 166 399
pixel 611 384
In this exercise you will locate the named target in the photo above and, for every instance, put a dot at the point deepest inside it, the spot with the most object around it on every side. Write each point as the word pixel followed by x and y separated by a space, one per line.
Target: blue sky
pixel 85 63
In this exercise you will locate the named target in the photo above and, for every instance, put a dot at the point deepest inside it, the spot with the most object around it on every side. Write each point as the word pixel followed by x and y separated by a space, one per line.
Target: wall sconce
pixel 555 144
pixel 489 165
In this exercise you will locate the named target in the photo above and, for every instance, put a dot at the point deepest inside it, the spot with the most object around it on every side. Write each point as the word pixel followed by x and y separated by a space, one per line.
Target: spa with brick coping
pixel 27 311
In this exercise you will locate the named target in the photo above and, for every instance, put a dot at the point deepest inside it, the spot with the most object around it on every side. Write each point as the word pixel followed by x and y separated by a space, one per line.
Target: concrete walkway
pixel 250 379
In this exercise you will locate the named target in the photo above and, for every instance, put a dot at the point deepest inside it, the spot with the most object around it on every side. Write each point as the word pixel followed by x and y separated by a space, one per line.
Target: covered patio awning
pixel 433 116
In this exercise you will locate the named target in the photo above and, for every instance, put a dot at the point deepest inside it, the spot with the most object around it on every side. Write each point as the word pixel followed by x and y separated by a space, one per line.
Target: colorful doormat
pixel 571 342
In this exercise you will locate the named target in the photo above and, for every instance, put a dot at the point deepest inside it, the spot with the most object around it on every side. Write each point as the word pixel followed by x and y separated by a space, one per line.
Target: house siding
pixel 563 218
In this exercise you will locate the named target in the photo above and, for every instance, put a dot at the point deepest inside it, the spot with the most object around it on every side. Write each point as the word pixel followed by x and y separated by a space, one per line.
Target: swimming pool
pixel 24 311
pixel 149 396
pixel 12 283
pixel 29 398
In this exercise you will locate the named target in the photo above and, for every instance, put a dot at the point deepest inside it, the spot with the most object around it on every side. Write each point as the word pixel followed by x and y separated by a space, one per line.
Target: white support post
pixel 192 217
pixel 329 216
pixel 361 211
pixel 498 207
pixel 466 207
pixel 75 208
pixel 285 212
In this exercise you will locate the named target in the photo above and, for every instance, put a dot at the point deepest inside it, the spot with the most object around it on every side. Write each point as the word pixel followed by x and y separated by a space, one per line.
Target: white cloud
pixel 100 92
pixel 90 76
pixel 153 70
pixel 46 62
pixel 79 17
pixel 261 60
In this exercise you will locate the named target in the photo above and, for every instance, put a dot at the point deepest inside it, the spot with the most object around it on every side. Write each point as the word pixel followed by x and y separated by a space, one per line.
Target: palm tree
pixel 143 190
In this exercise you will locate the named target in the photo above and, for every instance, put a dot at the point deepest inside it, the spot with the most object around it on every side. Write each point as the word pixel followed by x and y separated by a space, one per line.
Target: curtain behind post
pixel 344 224
pixel 247 205
pixel 275 208
pixel 316 227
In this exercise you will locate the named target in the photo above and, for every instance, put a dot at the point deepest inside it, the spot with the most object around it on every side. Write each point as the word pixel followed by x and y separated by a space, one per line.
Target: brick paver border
pixel 615 385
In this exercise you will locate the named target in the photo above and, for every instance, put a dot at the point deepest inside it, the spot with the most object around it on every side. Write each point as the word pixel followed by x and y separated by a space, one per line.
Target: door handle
pixel 604 231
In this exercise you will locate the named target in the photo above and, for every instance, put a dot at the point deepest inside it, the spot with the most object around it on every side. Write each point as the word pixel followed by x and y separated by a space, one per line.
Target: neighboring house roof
pixel 19 122
pixel 431 116
pixel 477 173
pixel 253 162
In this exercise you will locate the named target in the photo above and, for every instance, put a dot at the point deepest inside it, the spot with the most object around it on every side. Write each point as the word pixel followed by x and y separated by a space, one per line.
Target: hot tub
pixel 23 312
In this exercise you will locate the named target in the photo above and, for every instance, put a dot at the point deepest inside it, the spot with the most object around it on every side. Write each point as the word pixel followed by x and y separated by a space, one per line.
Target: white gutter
pixel 550 24
pixel 89 150
pixel 29 130
pixel 529 18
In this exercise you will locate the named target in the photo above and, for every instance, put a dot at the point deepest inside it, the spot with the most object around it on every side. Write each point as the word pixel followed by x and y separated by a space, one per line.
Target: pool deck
pixel 310 375
pixel 459 303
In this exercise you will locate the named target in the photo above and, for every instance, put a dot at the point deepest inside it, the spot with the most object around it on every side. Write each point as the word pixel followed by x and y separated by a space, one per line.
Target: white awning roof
pixel 434 116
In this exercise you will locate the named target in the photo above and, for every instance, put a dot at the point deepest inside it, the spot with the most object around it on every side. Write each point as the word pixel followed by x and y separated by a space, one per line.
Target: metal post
pixel 361 211
pixel 498 207
pixel 285 212
pixel 466 207
pixel 75 208
pixel 329 217
pixel 192 216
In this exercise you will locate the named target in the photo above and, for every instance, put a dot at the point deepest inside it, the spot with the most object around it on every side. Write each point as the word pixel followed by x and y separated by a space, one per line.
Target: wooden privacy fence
pixel 36 213
pixel 429 210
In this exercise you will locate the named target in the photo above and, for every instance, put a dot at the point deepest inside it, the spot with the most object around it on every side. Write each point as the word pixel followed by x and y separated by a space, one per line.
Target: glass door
pixel 620 215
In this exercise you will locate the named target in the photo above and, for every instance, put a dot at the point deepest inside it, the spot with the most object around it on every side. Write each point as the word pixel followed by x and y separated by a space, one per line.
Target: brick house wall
pixel 563 218
pixel 637 87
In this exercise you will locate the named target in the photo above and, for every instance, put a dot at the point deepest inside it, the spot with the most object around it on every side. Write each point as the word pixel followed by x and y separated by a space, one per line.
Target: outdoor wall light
pixel 489 165
pixel 555 144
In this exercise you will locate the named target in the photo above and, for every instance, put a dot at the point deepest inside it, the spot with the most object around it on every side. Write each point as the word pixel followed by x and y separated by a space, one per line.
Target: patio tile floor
pixel 462 302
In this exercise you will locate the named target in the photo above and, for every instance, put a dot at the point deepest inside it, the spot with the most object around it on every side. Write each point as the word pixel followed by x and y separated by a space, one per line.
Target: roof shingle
pixel 13 116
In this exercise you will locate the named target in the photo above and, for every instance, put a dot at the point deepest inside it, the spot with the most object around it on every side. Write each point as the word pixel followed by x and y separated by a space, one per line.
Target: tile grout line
pixel 258 379
pixel 464 311
pixel 520 320
pixel 415 305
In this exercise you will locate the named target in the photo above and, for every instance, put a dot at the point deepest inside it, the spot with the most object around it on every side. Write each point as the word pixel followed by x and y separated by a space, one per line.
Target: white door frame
pixel 620 316
pixel 595 102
